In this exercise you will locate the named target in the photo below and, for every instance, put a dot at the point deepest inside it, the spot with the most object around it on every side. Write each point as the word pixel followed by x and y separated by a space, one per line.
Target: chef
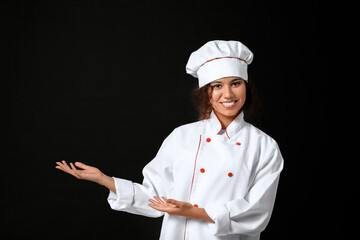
pixel 212 179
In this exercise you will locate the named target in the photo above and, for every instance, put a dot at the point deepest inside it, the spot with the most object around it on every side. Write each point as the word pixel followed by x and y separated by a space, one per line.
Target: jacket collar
pixel 232 129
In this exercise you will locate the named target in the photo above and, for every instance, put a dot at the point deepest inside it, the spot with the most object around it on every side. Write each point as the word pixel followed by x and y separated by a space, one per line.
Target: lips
pixel 229 104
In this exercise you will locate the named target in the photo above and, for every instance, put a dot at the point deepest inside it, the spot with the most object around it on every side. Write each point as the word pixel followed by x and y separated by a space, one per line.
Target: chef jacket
pixel 232 174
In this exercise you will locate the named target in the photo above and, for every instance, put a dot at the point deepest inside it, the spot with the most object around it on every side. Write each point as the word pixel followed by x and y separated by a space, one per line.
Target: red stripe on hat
pixel 221 58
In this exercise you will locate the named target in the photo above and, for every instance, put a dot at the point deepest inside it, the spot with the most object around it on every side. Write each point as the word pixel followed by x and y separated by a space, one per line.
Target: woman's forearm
pixel 200 213
pixel 108 182
pixel 180 208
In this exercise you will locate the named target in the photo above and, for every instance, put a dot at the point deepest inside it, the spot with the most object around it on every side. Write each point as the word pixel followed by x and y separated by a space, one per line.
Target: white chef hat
pixel 217 59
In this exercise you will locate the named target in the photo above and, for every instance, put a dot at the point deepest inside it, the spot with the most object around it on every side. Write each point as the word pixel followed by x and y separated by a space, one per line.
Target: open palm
pixel 86 173
pixel 171 206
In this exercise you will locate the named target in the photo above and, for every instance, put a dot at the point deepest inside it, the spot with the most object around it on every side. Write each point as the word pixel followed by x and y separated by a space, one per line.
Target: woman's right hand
pixel 87 173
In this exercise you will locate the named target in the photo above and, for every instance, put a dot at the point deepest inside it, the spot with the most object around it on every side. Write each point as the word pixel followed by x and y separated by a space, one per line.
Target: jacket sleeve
pixel 251 214
pixel 158 181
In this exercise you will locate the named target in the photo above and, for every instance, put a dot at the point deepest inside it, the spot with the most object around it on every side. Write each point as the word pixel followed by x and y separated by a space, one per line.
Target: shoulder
pixel 265 146
pixel 187 131
pixel 190 126
pixel 190 129
pixel 259 136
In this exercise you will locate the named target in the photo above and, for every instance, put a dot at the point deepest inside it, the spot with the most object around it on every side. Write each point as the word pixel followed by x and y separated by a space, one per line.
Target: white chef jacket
pixel 233 174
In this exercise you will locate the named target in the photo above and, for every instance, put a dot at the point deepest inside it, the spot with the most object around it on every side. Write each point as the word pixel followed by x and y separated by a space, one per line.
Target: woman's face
pixel 228 96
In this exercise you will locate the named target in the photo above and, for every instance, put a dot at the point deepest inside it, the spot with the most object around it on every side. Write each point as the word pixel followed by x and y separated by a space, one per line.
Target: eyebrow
pixel 215 82
pixel 235 79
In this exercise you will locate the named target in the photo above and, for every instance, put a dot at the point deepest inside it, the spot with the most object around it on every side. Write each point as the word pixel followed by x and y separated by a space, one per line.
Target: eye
pixel 216 86
pixel 237 83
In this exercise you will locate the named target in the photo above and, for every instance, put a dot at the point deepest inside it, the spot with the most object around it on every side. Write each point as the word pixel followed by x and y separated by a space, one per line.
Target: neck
pixel 225 120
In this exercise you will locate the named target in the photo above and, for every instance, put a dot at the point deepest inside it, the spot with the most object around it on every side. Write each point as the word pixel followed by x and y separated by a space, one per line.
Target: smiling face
pixel 227 98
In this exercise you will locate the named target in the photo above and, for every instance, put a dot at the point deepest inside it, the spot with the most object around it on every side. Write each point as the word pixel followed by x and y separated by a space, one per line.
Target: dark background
pixel 104 82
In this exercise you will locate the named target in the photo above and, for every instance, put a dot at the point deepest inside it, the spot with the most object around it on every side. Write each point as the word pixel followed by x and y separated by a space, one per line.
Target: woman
pixel 212 179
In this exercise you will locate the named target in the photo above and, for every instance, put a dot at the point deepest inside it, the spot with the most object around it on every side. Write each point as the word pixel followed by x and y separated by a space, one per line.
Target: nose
pixel 228 93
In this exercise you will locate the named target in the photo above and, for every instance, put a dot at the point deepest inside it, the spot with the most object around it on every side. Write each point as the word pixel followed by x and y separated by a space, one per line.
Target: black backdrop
pixel 104 82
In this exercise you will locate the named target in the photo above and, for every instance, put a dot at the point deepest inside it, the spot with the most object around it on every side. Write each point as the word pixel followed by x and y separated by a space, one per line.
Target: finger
pixel 155 203
pixel 175 202
pixel 156 207
pixel 59 167
pixel 66 167
pixel 76 172
pixel 59 164
pixel 81 165
pixel 169 203
pixel 73 167
pixel 160 201
pixel 62 168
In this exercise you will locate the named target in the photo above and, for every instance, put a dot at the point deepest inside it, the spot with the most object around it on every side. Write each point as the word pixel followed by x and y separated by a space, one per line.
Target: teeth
pixel 229 104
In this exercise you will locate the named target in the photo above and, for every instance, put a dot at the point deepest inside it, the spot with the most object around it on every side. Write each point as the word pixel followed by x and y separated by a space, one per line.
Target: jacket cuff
pixel 124 194
pixel 221 216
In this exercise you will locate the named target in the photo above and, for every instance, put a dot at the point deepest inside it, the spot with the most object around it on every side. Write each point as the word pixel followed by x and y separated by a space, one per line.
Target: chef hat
pixel 218 59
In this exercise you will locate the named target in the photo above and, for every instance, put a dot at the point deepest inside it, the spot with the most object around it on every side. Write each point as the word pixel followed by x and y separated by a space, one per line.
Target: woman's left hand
pixel 180 208
pixel 171 206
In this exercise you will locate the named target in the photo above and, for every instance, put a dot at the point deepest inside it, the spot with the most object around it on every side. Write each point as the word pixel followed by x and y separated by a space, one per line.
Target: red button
pixel 202 170
pixel 230 174
pixel 208 140
pixel 238 143
pixel 195 205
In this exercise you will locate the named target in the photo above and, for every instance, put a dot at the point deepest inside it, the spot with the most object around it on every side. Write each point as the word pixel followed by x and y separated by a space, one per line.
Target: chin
pixel 233 114
pixel 229 113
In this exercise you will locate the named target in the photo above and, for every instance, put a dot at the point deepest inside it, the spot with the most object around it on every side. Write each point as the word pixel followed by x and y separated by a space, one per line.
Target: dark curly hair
pixel 201 98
